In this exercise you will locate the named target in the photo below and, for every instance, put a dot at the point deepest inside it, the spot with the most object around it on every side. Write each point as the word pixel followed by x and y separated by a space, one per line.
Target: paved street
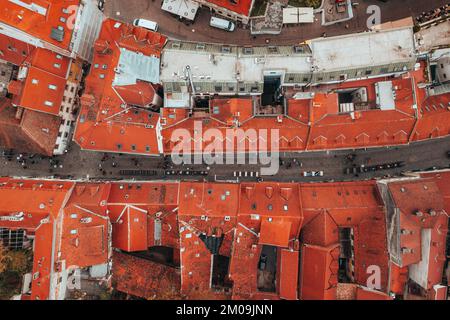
pixel 199 30
pixel 83 164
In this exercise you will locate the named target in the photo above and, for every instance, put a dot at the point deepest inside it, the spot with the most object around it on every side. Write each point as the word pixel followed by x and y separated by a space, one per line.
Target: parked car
pixel 222 24
pixel 147 24
pixel 313 173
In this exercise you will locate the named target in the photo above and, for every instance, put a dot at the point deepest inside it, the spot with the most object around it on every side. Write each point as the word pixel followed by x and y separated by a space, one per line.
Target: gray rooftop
pixel 136 66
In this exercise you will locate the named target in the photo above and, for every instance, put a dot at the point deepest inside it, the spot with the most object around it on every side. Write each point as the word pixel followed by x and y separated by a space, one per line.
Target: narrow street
pixel 200 31
pixel 78 164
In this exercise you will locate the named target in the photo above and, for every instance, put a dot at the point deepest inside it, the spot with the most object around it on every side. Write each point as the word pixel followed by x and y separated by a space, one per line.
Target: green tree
pixel 18 261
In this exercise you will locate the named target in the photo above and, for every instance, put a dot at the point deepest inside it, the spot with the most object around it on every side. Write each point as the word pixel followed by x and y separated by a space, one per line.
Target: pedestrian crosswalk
pixel 246 174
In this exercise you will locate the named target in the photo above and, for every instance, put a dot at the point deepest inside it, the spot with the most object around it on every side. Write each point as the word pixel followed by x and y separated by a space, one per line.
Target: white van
pixel 222 24
pixel 147 24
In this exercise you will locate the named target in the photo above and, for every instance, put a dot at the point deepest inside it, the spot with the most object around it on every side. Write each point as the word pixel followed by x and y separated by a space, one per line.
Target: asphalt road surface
pixel 77 164
pixel 200 31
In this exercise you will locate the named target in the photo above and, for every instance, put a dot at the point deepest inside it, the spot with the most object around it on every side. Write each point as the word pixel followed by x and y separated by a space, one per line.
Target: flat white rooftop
pixel 204 66
pixel 227 67
pixel 385 95
pixel 298 15
pixel 363 49
pixel 183 8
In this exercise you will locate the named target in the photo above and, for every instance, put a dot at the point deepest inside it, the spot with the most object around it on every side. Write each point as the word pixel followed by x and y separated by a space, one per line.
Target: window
pixel 298 49
pixel 272 49
pixel 147 148
pixel 59 57
pixel 57 65
pixel 226 49
pixel 368 72
pixel 133 147
pixel 248 50
pixel 445 76
pixel 200 46
pixel 35 81
pixel 52 87
pixel 48 103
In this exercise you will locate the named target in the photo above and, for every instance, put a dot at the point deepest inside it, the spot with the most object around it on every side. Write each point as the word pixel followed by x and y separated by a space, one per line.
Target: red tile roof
pixel 319 267
pixel 241 7
pixel 434 121
pixel 33 132
pixel 40 25
pixel 198 219
pixel 144 278
pixel 45 76
pixel 109 119
pixel 316 123
pixel 13 50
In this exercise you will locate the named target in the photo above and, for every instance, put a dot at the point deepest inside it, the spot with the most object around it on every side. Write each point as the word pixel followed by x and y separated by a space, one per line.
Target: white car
pixel 147 24
pixel 313 173
pixel 222 24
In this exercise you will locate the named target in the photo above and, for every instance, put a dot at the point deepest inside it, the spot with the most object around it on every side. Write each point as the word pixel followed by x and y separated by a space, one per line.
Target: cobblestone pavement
pixel 199 30
pixel 79 164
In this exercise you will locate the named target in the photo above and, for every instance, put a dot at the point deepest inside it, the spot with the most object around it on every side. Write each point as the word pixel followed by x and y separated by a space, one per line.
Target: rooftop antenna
pixel 189 75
